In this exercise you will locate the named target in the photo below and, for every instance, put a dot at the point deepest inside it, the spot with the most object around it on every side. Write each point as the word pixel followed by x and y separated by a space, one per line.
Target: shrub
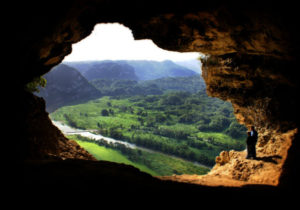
pixel 104 112
pixel 35 83
pixel 219 123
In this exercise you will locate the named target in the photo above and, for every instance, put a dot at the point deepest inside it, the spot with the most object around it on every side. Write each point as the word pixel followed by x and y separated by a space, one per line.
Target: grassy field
pixel 156 164
pixel 103 153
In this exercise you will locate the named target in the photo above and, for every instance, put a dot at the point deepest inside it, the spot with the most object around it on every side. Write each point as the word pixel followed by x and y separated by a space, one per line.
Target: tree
pixel 172 100
pixel 160 118
pixel 115 133
pixel 236 130
pixel 111 111
pixel 35 83
pixel 104 112
pixel 187 118
pixel 219 123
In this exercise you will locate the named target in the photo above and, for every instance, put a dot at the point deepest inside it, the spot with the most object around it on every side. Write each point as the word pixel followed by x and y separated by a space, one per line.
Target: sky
pixel 116 42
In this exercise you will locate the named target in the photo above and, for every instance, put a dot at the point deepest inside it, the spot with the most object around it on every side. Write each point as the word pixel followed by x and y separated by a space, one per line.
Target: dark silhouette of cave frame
pixel 38 22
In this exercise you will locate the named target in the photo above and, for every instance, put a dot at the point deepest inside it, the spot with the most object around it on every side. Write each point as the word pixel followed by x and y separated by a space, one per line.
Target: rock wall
pixel 263 93
pixel 251 48
pixel 263 89
pixel 41 139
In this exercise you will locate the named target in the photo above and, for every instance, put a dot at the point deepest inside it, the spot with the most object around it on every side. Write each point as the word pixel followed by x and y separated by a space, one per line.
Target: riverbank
pixel 153 162
pixel 67 130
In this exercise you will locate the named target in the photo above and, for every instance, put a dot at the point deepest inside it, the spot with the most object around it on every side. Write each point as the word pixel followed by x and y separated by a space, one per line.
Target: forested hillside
pixel 79 82
pixel 130 70
pixel 111 71
pixel 122 88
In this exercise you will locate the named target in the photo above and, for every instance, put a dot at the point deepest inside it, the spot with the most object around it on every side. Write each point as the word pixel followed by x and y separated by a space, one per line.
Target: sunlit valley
pixel 153 115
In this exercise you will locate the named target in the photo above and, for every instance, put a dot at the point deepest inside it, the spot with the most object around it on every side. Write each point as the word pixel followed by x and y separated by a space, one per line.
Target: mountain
pixel 189 84
pixel 127 88
pixel 69 83
pixel 131 69
pixel 66 86
pixel 110 70
pixel 150 70
pixel 193 64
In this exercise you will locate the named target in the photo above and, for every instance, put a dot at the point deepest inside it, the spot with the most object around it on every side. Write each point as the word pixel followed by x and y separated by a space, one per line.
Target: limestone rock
pixel 223 158
pixel 252 54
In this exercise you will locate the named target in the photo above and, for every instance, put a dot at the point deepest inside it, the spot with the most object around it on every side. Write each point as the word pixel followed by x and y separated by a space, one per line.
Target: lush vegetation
pixel 189 125
pixel 34 85
pixel 156 164
pixel 111 87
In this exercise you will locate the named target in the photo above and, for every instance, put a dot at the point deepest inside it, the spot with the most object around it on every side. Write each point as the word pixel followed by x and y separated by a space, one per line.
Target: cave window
pixel 150 103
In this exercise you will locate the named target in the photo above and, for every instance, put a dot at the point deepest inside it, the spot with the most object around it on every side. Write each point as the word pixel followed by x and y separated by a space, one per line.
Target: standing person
pixel 254 133
pixel 251 142
pixel 249 145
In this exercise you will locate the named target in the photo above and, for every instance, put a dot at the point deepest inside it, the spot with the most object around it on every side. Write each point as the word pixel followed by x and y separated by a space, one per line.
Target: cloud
pixel 116 42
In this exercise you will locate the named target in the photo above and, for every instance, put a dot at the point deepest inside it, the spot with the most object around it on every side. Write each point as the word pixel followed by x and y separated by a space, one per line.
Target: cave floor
pixel 69 176
pixel 237 172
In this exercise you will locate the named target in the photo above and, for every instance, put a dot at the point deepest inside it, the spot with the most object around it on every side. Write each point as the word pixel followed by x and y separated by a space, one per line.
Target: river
pixel 67 130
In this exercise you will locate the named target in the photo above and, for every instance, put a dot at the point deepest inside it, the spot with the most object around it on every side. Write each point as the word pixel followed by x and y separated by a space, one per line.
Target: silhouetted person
pixel 251 142
pixel 254 133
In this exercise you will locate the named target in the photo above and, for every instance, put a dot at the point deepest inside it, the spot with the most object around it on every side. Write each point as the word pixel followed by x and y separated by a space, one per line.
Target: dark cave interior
pixel 253 48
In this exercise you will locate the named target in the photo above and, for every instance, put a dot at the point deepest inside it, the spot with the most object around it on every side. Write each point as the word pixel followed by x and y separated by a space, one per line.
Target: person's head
pixel 249 133
pixel 252 128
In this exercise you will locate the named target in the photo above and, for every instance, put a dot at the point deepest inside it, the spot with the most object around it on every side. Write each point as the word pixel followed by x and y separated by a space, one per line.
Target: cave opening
pixel 252 64
pixel 128 101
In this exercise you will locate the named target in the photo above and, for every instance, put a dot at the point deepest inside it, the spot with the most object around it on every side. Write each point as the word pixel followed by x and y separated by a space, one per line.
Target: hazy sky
pixel 116 42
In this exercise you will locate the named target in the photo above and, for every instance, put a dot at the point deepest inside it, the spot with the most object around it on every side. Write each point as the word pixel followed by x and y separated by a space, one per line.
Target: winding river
pixel 67 130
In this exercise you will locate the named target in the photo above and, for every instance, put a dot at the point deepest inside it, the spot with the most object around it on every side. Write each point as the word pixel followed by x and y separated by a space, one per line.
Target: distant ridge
pixel 194 65
pixel 77 82
pixel 66 86
pixel 130 69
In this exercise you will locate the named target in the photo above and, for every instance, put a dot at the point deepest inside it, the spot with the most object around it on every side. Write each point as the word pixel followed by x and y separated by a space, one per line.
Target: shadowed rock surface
pixel 253 53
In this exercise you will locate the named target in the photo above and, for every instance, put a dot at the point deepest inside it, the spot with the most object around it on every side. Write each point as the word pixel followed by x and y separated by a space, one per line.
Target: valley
pixel 175 126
